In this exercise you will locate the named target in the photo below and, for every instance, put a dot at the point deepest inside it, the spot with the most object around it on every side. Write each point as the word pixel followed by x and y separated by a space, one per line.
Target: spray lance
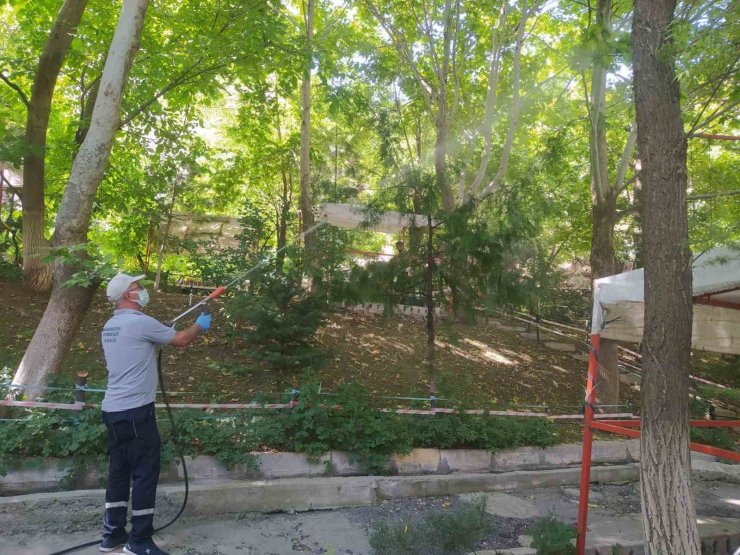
pixel 240 278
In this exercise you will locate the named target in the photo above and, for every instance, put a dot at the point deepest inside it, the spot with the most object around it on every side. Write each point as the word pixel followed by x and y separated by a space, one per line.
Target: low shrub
pixel 552 537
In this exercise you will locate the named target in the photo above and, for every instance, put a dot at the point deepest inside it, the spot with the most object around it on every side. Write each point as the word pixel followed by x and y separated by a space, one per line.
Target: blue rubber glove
pixel 204 321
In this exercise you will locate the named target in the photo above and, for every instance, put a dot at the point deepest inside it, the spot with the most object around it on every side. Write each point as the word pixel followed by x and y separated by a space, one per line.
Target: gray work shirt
pixel 130 342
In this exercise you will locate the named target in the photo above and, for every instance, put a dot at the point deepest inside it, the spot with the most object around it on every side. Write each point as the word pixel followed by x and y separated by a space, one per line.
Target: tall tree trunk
pixel 88 103
pixel 669 517
pixel 429 293
pixel 309 240
pixel 286 197
pixel 440 155
pixel 603 206
pixel 282 222
pixel 603 264
pixel 638 202
pixel 165 236
pixel 37 275
pixel 516 101
pixel 67 305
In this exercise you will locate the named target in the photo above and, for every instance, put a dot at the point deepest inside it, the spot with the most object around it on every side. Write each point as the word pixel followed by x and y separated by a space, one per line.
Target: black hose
pixel 175 437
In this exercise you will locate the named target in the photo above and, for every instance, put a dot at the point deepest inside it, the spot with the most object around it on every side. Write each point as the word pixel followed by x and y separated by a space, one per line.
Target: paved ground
pixel 614 516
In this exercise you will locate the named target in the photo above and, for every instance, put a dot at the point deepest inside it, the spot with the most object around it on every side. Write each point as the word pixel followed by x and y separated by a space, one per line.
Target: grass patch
pixel 438 533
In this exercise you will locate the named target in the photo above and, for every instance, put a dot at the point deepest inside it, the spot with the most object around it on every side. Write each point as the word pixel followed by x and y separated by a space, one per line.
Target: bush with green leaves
pixel 552 537
pixel 458 431
pixel 8 270
pixel 439 533
pixel 80 439
pixel 280 318
pixel 347 420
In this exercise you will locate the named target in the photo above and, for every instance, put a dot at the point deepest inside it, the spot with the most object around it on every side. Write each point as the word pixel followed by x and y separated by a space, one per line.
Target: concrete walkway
pixel 49 523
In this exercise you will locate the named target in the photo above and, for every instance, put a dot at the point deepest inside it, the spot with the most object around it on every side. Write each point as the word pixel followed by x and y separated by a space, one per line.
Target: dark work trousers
pixel 133 449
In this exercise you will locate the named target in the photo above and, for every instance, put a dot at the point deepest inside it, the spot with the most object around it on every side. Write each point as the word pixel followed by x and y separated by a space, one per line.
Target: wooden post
pixel 81 382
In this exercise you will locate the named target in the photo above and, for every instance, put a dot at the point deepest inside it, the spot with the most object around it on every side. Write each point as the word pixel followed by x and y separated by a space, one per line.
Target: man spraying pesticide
pixel 130 342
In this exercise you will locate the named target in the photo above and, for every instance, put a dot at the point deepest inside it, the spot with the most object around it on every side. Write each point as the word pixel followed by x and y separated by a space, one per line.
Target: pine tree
pixel 281 319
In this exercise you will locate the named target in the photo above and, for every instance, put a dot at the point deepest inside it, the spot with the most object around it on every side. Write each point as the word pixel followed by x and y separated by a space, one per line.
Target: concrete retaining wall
pixel 49 475
pixel 304 494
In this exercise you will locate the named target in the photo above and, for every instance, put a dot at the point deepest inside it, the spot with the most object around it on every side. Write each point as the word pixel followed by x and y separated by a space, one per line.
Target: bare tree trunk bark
pixel 68 305
pixel 669 517
pixel 37 275
pixel 309 241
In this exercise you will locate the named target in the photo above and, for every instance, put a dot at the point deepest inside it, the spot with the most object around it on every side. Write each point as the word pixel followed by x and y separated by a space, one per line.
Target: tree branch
pixel 714 195
pixel 491 96
pixel 714 136
pixel 717 113
pixel 182 78
pixel 16 88
pixel 515 103
pixel 401 45
pixel 720 81
pixel 620 184
pixel 426 29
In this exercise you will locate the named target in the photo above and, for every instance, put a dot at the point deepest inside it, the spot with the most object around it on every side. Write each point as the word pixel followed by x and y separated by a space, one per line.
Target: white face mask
pixel 143 297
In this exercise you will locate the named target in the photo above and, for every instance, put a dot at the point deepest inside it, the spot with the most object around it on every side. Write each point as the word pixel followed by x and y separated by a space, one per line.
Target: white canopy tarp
pixel 618 311
pixel 347 216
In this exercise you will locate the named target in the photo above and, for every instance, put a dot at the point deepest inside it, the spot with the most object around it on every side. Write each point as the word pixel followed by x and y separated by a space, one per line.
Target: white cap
pixel 119 284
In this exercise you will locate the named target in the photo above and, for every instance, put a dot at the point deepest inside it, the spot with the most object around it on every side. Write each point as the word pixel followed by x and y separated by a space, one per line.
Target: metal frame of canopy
pixel 617 313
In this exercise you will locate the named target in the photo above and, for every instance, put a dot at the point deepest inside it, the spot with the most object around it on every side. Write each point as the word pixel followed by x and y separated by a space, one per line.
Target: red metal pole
pixel 615 428
pixel 695 423
pixel 588 417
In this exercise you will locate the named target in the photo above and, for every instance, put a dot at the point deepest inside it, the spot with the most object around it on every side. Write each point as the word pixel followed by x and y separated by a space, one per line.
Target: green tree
pixel 281 318
pixel 68 304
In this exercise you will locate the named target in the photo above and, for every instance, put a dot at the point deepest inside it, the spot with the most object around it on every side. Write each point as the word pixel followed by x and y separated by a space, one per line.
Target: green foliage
pixel 229 438
pixel 729 395
pixel 280 319
pixel 9 271
pixel 454 431
pixel 216 264
pixel 347 420
pixel 716 437
pixel 81 439
pixel 439 533
pixel 91 266
pixel 344 421
pixel 552 537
